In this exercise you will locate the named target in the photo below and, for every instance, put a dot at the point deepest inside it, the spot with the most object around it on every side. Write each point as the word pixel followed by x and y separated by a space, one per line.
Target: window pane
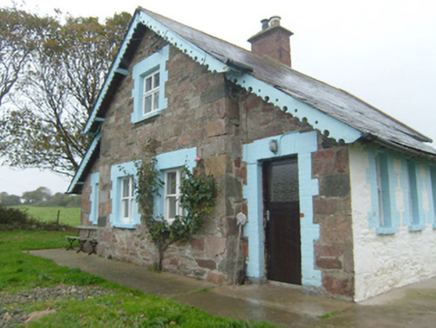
pixel 171 183
pixel 156 80
pixel 147 104
pixel 126 187
pixel 171 207
pixel 156 100
pixel 125 208
pixel 130 208
pixel 148 84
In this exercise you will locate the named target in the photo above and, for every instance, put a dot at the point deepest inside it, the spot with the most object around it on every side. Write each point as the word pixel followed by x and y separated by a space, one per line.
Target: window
pixel 150 76
pixel 413 193
pixel 383 191
pixel 126 200
pixel 167 201
pixel 124 212
pixel 433 186
pixel 416 224
pixel 151 92
pixel 93 215
pixel 173 208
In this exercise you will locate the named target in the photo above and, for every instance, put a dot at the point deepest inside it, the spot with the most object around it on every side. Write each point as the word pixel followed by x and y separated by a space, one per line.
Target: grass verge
pixel 20 273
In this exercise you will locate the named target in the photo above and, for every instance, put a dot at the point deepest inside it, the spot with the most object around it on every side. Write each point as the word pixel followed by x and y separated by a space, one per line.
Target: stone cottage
pixel 340 198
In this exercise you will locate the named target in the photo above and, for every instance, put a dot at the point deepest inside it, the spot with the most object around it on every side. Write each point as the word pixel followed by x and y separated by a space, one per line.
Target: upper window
pixel 150 76
pixel 151 92
pixel 173 181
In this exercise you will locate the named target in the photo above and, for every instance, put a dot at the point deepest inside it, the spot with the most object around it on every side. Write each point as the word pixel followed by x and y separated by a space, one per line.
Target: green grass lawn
pixel 123 307
pixel 67 216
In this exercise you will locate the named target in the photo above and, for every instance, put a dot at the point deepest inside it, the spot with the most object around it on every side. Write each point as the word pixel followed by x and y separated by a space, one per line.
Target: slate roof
pixel 341 105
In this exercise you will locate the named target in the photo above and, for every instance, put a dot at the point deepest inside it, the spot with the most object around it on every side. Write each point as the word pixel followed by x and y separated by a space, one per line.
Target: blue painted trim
pixel 386 189
pixel 188 48
pixel 147 66
pixel 297 108
pixel 389 180
pixel 118 172
pixel 387 230
pixel 404 183
pixel 84 162
pixel 301 144
pixel 415 220
pixel 122 71
pixel 197 54
pixel 371 178
pixel 417 227
pixel 93 215
pixel 433 192
pixel 167 161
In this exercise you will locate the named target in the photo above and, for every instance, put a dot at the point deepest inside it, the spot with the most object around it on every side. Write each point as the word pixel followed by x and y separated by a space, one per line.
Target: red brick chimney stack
pixel 273 41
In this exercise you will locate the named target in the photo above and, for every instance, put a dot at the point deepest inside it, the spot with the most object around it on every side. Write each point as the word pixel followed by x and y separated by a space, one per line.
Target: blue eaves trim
pixel 196 53
pixel 317 119
pixel 84 162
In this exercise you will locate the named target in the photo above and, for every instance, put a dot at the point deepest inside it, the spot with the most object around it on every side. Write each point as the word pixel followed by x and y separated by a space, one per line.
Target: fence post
pixel 57 221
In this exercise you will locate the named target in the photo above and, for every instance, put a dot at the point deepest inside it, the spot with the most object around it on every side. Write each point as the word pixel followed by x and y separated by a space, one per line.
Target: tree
pixel 9 200
pixel 51 104
pixel 19 37
pixel 39 195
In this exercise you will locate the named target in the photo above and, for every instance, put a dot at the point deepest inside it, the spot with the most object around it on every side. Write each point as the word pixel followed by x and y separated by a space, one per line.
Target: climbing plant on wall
pixel 198 198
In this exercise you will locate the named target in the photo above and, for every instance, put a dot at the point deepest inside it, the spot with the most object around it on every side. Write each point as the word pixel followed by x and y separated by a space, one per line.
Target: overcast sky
pixel 382 51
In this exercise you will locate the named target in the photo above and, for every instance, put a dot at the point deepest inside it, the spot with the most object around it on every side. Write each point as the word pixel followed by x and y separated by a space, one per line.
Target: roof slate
pixel 332 101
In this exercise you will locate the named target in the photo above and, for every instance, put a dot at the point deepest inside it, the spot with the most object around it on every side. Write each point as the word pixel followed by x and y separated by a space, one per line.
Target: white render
pixel 384 262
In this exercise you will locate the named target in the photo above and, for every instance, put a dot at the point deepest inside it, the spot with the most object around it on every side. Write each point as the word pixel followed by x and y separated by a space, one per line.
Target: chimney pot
pixel 265 24
pixel 275 20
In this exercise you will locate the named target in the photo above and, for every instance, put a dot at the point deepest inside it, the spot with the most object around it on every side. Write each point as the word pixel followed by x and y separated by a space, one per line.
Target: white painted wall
pixel 384 262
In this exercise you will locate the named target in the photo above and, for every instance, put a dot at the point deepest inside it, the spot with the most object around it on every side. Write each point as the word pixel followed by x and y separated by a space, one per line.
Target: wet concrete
pixel 410 306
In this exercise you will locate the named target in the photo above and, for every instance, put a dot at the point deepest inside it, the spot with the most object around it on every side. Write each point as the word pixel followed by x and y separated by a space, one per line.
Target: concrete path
pixel 411 306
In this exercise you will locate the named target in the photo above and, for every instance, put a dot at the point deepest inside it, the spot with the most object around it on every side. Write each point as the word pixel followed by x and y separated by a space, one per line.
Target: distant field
pixel 68 215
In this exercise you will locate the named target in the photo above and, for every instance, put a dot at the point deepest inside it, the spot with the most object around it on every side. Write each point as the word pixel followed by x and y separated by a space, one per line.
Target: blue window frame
pixel 433 189
pixel 385 225
pixel 124 207
pixel 170 165
pixel 416 223
pixel 150 76
pixel 93 215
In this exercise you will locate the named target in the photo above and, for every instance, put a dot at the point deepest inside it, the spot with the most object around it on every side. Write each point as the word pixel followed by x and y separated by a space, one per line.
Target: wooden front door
pixel 282 213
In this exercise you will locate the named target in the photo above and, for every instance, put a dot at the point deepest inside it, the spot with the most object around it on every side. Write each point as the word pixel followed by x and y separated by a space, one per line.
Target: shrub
pixel 12 215
pixel 14 218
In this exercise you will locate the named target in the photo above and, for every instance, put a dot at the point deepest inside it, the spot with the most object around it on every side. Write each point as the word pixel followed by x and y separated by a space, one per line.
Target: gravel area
pixel 11 310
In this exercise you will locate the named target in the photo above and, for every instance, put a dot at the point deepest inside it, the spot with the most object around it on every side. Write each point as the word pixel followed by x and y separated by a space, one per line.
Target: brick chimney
pixel 273 41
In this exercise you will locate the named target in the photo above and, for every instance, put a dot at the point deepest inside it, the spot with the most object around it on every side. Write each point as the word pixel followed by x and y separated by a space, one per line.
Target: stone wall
pixel 199 114
pixel 208 112
pixel 332 211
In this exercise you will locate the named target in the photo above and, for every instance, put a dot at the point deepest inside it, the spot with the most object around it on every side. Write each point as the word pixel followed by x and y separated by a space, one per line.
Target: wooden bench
pixel 82 240
pixel 71 240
